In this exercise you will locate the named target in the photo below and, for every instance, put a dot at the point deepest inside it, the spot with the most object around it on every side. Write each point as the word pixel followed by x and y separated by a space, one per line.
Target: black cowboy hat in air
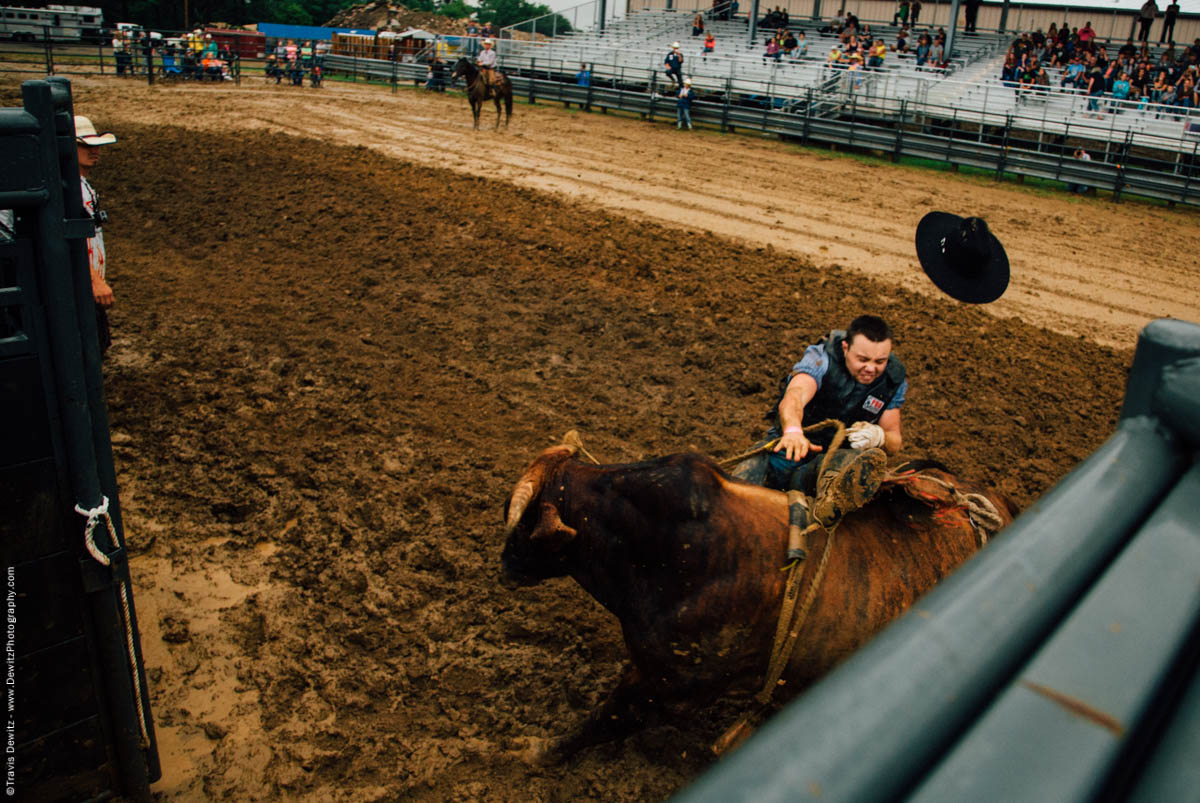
pixel 962 257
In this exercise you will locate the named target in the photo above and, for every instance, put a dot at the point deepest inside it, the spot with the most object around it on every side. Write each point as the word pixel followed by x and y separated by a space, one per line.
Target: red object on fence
pixel 246 44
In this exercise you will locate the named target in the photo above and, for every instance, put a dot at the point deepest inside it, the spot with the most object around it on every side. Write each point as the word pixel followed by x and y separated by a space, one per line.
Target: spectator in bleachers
pixel 1146 17
pixel 1120 92
pixel 697 24
pixel 1073 74
pixel 1141 82
pixel 710 44
pixel 924 48
pixel 673 64
pixel 789 43
pixel 584 76
pixel 1010 73
pixel 878 52
pixel 1095 87
pixel 914 14
pixel 835 59
pixel 1086 35
pixel 271 68
pixel 1160 88
pixel 971 14
pixel 801 51
pixel 1038 38
pixel 900 17
pixel 851 45
pixel 1052 32
pixel 1169 18
pixel 1064 34
pixel 839 22
pixel 772 49
pixel 901 45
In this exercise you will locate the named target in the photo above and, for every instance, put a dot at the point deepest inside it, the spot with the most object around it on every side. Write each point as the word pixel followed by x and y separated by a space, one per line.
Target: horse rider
pixel 487 64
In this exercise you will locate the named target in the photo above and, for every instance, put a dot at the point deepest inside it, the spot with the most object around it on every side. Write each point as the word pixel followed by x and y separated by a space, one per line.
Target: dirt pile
pixel 384 16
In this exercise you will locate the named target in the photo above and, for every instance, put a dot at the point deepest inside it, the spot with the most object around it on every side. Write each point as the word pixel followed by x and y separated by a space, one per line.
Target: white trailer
pixel 71 23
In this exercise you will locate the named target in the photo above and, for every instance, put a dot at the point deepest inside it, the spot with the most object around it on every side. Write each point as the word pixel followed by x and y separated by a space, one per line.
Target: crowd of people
pixel 1075 60
pixel 295 61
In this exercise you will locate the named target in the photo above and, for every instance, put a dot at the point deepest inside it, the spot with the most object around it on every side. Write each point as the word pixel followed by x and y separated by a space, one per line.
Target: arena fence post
pixel 587 106
pixel 653 92
pixel 148 54
pixel 899 147
pixel 808 113
pixel 393 77
pixel 1002 158
pixel 1187 176
pixel 48 47
pixel 725 105
pixel 532 80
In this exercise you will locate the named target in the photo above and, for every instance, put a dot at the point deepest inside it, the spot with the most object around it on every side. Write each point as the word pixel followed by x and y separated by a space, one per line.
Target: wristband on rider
pixel 790 430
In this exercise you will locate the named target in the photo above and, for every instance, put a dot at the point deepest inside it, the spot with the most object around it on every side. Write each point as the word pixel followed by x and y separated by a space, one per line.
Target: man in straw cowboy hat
pixel 855 378
pixel 673 64
pixel 88 143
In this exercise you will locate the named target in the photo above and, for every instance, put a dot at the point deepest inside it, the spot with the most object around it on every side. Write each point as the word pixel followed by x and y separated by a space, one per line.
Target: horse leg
pixel 476 107
pixel 507 108
pixel 497 102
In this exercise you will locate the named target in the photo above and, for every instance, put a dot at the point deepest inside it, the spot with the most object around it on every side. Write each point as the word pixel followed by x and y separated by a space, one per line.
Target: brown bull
pixel 688 559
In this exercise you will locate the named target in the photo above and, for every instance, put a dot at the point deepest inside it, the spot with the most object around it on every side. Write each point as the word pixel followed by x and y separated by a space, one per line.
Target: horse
pixel 478 91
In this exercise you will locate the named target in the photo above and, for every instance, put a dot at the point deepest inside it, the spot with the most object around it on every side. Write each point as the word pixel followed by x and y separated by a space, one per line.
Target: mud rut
pixel 332 362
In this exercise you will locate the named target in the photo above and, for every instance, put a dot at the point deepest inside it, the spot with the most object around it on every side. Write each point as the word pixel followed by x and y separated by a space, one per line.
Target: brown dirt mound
pixel 330 367
pixel 382 15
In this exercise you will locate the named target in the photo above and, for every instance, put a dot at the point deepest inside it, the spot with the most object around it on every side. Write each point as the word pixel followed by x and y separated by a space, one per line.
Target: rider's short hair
pixel 872 327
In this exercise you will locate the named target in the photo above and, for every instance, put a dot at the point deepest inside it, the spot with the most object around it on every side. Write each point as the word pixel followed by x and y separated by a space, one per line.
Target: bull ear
pixel 550 529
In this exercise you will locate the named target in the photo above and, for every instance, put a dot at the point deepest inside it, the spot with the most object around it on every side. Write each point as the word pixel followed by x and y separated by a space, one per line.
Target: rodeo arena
pixel 717 402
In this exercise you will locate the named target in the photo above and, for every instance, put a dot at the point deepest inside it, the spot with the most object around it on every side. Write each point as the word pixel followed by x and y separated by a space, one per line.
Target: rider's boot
pixel 847 483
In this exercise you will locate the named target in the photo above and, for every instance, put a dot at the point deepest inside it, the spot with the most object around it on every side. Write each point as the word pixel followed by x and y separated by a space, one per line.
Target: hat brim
pixel 980 286
pixel 97 139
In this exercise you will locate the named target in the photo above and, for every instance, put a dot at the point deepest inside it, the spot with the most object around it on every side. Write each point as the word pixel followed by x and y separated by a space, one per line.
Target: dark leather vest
pixel 843 397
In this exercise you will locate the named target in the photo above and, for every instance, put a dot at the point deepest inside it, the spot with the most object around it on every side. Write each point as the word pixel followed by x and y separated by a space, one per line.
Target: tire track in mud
pixel 1079 265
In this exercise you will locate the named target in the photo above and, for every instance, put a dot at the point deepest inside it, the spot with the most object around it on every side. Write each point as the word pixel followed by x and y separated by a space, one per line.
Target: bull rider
pixel 851 376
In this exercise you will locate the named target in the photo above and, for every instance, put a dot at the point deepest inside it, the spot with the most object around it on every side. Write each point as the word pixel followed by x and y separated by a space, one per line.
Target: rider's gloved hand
pixel 865 436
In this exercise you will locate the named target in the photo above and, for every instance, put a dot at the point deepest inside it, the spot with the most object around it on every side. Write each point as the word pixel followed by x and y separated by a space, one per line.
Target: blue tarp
pixel 277 31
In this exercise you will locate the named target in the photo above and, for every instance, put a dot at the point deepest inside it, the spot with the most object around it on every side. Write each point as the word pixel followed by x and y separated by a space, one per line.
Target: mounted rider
pixel 486 60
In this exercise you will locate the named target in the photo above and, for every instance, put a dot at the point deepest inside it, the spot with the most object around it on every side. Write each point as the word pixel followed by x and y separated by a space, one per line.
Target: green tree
pixel 503 13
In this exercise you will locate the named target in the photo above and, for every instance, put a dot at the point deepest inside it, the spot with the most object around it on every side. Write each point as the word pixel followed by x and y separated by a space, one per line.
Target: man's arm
pixel 890 423
pixel 800 391
pixel 101 292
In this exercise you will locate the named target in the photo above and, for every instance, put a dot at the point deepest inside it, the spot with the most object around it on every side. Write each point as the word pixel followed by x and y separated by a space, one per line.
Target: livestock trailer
pixel 70 23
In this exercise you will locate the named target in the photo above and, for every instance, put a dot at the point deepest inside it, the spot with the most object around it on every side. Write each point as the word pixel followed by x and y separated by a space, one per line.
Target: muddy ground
pixel 331 363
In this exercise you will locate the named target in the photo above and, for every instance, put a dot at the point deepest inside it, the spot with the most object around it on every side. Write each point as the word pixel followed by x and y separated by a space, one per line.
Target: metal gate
pixel 78 717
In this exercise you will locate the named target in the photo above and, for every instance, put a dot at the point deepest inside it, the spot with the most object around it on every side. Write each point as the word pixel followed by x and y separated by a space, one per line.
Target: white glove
pixel 865 436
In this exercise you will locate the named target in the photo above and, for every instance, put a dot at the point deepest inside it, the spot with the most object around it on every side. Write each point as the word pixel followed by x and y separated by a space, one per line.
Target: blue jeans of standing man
pixel 683 117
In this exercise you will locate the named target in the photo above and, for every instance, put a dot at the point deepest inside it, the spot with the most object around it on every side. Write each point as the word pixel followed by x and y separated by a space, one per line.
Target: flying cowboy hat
pixel 962 257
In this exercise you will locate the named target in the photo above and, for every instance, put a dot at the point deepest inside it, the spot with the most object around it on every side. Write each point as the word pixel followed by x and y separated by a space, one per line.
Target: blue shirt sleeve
pixel 814 363
pixel 898 399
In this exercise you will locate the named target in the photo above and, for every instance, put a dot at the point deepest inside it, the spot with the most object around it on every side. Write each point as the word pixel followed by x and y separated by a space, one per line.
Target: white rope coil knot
pixel 93 516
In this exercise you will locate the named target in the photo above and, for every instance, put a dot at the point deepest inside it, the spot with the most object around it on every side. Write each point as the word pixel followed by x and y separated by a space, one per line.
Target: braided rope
pixel 781 653
pixel 94 515
pixel 982 514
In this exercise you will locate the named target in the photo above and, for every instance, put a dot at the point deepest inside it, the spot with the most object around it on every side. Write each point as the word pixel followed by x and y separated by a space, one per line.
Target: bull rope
pixel 788 630
pixel 93 516
pixel 982 514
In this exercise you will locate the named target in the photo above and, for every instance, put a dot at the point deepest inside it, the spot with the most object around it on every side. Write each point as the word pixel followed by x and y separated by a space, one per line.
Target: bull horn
pixel 530 485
